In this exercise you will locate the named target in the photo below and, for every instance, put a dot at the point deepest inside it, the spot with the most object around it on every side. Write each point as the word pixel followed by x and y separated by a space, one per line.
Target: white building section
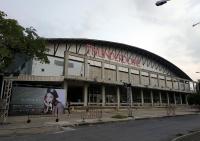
pixel 54 68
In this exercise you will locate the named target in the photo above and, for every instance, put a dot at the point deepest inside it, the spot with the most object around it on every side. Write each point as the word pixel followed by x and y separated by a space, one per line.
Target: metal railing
pixel 171 110
pixel 36 113
pixel 92 113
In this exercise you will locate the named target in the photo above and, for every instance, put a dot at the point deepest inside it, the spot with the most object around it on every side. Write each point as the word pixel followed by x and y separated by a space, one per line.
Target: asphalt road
pixel 159 129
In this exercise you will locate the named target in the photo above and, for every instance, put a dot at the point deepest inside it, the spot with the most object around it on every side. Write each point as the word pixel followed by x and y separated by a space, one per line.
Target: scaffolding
pixel 5 99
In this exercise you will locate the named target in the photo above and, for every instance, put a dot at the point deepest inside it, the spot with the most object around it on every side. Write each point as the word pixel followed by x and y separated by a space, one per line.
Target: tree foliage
pixel 15 39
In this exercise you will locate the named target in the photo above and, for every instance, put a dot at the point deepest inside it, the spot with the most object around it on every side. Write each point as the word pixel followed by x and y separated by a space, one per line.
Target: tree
pixel 15 39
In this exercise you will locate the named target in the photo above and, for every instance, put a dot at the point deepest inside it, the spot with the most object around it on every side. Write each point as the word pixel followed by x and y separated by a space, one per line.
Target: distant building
pixel 93 72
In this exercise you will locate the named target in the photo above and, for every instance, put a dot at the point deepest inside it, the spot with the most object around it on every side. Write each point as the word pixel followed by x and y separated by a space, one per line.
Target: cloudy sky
pixel 166 30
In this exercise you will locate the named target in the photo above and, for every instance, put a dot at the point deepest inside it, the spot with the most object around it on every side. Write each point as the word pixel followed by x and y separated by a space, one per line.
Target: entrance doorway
pixel 75 94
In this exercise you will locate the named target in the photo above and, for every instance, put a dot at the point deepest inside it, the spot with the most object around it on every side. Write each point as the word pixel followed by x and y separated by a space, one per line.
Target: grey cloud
pixel 137 22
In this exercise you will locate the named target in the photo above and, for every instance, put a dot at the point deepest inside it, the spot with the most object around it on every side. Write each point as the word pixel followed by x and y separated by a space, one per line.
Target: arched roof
pixel 130 48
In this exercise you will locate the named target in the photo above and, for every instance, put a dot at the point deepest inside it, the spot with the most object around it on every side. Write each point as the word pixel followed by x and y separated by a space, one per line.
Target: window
pixel 94 94
pixel 111 94
pixel 58 63
pixel 75 68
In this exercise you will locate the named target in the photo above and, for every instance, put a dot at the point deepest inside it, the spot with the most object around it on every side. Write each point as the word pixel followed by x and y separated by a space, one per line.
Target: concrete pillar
pixel 168 99
pixel 132 92
pixel 152 98
pixel 103 96
pixel 160 98
pixel 131 96
pixel 194 89
pixel 66 89
pixel 86 68
pixel 184 84
pixel 165 82
pixel 149 75
pixel 102 70
pixel 142 97
pixel 129 75
pixel 186 99
pixel 140 78
pixel 178 84
pixel 66 58
pixel 118 97
pixel 117 73
pixel 158 80
pixel 172 83
pixel 85 95
pixel 174 98
pixel 181 98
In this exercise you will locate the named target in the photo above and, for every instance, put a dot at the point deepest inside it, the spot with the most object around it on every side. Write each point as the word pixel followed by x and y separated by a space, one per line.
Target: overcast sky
pixel 166 30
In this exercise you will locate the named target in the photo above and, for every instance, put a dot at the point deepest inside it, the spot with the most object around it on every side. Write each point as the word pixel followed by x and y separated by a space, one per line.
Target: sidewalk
pixel 17 125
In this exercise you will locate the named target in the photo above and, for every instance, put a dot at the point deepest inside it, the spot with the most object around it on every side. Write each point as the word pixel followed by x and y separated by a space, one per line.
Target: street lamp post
pixel 194 26
pixel 161 2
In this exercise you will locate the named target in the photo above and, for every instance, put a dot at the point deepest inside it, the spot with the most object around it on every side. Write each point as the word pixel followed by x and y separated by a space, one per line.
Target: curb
pixel 122 120
pixel 32 131
pixel 100 122
pixel 180 137
pixel 1 129
pixel 13 131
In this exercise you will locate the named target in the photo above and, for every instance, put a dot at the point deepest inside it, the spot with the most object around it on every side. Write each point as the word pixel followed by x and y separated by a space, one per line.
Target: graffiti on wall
pixel 113 55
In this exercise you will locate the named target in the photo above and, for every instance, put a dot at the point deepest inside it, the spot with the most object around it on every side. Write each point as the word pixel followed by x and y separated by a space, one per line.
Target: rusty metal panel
pixel 162 83
pixel 145 80
pixel 95 72
pixel 135 78
pixel 169 84
pixel 110 74
pixel 154 82
pixel 175 85
pixel 123 76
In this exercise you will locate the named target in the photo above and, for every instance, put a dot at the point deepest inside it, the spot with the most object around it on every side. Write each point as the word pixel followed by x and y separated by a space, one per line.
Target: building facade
pixel 93 73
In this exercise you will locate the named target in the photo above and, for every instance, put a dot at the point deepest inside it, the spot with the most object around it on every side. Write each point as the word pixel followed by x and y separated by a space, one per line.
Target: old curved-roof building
pixel 101 73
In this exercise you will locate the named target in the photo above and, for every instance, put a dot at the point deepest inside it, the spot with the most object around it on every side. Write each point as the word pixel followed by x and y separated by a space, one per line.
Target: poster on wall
pixel 33 100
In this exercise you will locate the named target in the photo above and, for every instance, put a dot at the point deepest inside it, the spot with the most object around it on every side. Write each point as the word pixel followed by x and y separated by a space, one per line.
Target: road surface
pixel 157 129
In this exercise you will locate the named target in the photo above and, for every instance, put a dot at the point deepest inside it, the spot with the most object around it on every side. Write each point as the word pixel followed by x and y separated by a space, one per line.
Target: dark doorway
pixel 136 95
pixel 171 98
pixel 75 94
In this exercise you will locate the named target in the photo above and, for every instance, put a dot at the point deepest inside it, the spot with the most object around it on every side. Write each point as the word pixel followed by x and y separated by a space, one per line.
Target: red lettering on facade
pixel 114 55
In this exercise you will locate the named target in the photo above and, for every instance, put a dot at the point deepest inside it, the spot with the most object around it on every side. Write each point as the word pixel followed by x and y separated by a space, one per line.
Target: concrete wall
pixel 103 67
pixel 54 68
pixel 110 54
